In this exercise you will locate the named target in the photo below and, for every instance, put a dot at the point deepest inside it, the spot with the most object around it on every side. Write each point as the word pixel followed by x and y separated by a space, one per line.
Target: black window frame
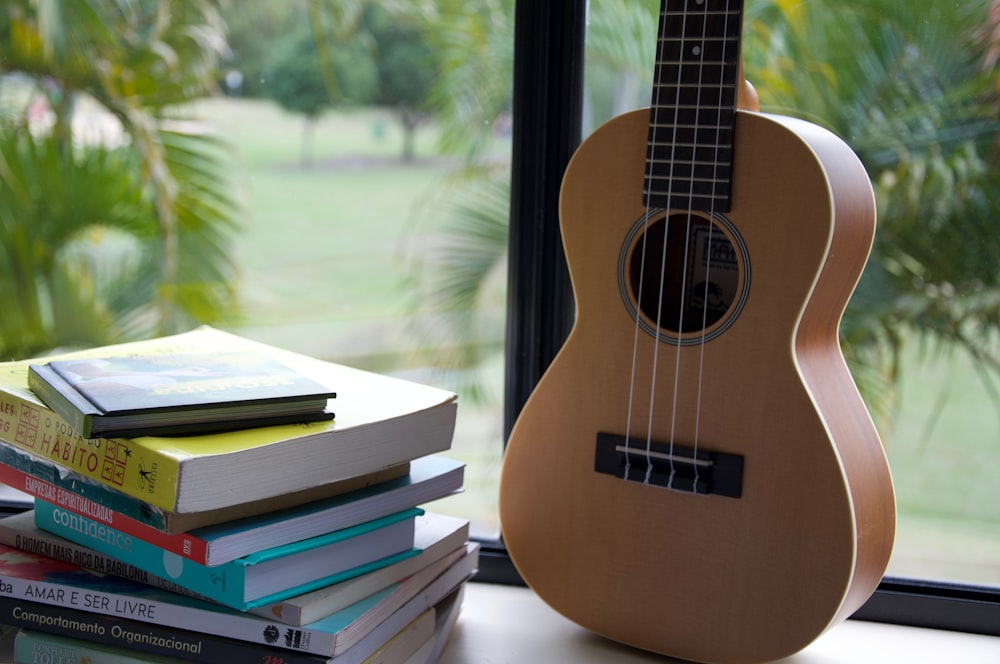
pixel 547 111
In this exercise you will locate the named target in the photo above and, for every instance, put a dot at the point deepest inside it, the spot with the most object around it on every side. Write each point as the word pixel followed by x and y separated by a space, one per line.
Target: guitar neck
pixel 693 109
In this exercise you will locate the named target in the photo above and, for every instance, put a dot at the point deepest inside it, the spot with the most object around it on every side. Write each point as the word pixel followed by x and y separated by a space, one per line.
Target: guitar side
pixel 708 577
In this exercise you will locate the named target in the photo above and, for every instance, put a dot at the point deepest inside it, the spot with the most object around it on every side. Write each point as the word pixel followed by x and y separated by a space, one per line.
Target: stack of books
pixel 196 498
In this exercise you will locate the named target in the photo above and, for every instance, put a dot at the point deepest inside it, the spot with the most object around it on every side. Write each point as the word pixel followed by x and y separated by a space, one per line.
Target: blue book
pixel 260 578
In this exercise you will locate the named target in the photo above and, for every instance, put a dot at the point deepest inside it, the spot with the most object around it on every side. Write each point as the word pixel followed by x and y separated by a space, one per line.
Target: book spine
pixel 184 545
pixel 35 428
pixel 98 492
pixel 224 583
pixel 142 636
pixel 181 613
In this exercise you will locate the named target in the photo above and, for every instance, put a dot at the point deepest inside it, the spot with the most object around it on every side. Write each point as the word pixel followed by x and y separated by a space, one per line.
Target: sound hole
pixel 684 273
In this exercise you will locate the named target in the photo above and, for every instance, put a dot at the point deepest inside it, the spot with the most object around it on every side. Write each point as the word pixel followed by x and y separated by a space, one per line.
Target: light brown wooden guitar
pixel 696 473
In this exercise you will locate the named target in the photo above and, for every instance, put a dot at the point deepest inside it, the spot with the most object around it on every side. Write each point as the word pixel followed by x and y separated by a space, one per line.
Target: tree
pixel 309 81
pixel 125 235
pixel 912 88
pixel 407 72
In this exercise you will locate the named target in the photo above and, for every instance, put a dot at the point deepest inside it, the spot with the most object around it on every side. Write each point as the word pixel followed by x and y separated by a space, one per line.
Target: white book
pixel 437 535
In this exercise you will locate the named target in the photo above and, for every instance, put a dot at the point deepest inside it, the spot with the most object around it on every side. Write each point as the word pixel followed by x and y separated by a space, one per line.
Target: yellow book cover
pixel 381 421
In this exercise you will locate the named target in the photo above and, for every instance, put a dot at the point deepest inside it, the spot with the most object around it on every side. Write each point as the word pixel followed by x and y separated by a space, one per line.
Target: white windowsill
pixel 504 624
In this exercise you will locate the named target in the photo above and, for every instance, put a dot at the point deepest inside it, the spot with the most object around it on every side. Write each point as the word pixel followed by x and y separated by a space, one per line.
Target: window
pixel 348 221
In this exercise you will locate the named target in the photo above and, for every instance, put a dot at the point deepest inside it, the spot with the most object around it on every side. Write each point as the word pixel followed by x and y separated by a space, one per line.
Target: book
pixel 360 618
pixel 169 385
pixel 381 421
pixel 436 536
pixel 40 478
pixel 187 547
pixel 64 587
pixel 447 610
pixel 76 637
pixel 19 531
pixel 32 647
pixel 430 478
pixel 262 577
pixel 406 642
pixel 100 636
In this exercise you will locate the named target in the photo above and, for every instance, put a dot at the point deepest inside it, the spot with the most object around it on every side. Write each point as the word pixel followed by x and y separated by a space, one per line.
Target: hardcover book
pixel 32 582
pixel 158 389
pixel 381 421
pixel 259 578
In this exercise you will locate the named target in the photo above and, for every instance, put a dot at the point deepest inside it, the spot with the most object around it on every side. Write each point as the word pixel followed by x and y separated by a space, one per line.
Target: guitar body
pixel 700 576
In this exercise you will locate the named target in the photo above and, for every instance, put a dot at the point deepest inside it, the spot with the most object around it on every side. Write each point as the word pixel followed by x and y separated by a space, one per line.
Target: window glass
pixel 326 176
pixel 356 207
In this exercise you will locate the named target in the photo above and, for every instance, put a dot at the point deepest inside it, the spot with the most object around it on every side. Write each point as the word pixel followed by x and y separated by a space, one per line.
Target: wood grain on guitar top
pixel 706 577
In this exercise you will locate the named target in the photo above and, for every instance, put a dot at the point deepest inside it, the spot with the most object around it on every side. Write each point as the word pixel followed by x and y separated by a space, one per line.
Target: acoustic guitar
pixel 696 473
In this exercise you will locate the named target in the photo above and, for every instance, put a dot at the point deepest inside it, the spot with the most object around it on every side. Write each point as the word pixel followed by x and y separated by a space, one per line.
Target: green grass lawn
pixel 325 253
pixel 944 452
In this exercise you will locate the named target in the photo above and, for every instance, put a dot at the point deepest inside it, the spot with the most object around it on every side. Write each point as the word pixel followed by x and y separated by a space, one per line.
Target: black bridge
pixel 670 466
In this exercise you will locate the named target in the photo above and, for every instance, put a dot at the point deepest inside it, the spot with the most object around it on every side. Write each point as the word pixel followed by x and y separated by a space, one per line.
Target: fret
pixel 701 135
pixel 715 75
pixel 663 189
pixel 673 180
pixel 691 153
pixel 698 198
pixel 691 117
pixel 687 165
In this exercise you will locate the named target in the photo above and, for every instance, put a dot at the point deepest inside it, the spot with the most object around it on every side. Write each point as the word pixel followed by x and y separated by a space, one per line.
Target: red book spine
pixel 183 544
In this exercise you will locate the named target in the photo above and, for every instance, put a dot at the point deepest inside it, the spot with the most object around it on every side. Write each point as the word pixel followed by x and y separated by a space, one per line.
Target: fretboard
pixel 693 110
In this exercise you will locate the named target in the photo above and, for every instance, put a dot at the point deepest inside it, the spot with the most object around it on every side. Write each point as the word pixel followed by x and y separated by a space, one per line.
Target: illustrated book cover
pixel 157 389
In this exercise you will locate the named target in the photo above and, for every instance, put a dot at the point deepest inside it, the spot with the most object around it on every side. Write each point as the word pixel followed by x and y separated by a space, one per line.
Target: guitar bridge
pixel 670 466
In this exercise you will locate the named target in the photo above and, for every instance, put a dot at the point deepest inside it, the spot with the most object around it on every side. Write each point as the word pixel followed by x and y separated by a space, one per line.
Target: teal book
pixel 260 578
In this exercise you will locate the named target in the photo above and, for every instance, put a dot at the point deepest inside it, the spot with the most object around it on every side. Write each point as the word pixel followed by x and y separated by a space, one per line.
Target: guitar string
pixel 711 214
pixel 708 248
pixel 655 110
pixel 678 354
pixel 651 410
